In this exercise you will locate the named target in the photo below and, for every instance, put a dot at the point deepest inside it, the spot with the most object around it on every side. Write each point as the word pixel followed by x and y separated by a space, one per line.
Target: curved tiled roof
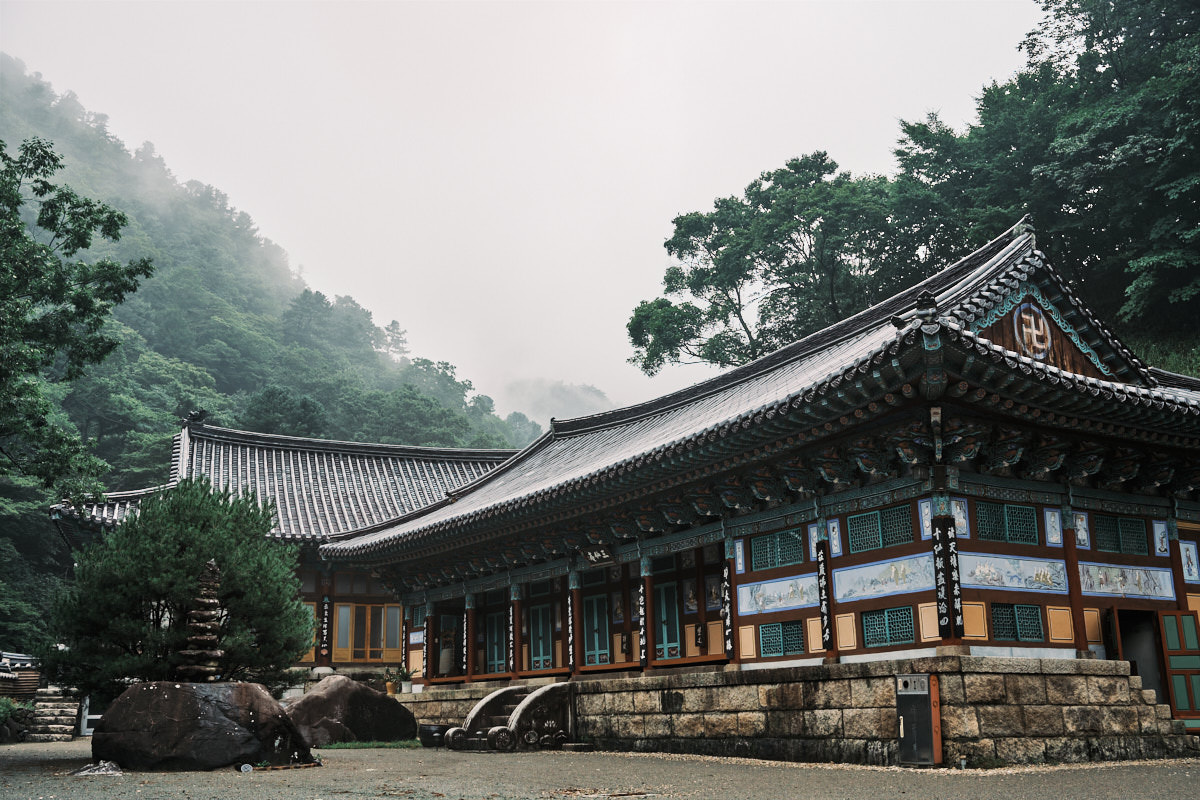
pixel 585 457
pixel 320 488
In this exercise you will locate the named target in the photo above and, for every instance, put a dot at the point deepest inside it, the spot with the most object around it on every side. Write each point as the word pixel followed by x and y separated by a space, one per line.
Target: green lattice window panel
pixel 777 550
pixel 896 525
pixel 1120 535
pixel 770 640
pixel 1133 537
pixel 1106 533
pixel 998 522
pixel 888 626
pixel 878 529
pixel 781 639
pixel 418 616
pixel 1016 622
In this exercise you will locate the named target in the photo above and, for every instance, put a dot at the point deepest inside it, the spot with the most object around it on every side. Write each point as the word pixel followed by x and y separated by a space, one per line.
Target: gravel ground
pixel 42 772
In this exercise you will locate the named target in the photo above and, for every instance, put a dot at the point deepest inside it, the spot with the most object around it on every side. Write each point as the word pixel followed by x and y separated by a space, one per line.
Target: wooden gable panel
pixel 1030 330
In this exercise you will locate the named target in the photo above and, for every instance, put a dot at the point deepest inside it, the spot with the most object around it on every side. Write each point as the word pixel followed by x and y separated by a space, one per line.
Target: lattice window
pixel 998 522
pixel 764 552
pixel 888 626
pixel 770 640
pixel 793 637
pixel 776 550
pixel 1107 533
pixel 1017 623
pixel 1021 524
pixel 418 616
pixel 896 524
pixel 990 522
pixel 1133 537
pixel 864 533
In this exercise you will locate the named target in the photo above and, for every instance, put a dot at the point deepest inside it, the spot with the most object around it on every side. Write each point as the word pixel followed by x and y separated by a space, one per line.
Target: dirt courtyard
pixel 42 772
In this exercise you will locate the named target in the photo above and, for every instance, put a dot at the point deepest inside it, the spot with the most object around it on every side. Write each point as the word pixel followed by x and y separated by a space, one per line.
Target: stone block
pixel 1000 721
pixel 1043 721
pixel 1163 711
pixel 873 692
pixel 1025 689
pixel 1115 748
pixel 689 726
pixel 981 752
pixel 697 700
pixel 823 723
pixel 1083 719
pixel 1148 697
pixel 1147 719
pixel 959 722
pixel 785 723
pixel 1121 720
pixel 1067 690
pixel 1104 690
pixel 737 698
pixel 1135 683
pixel 646 702
pixel 984 688
pixel 869 723
pixel 950 689
pixel 718 724
pixel 657 726
pixel 1004 666
pixel 784 695
pixel 620 703
pixel 587 705
pixel 831 694
pixel 1021 750
pixel 629 726
pixel 1066 750
pixel 751 723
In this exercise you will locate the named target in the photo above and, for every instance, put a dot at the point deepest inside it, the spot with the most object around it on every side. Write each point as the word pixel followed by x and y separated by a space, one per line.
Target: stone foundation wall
pixel 993 710
pixel 444 706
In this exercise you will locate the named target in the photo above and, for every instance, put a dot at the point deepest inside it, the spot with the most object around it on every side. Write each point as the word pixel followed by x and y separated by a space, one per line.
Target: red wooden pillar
pixel 1181 589
pixel 1074 586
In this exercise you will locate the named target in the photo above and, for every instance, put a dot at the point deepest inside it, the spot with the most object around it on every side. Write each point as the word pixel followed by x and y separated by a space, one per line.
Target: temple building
pixel 321 490
pixel 976 466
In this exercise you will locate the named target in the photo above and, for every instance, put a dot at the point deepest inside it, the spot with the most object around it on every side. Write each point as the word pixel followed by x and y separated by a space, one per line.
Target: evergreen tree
pixel 125 617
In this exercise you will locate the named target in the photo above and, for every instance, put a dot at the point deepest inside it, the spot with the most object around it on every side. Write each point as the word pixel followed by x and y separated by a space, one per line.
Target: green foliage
pixel 9 707
pixel 1098 137
pixel 52 309
pixel 125 617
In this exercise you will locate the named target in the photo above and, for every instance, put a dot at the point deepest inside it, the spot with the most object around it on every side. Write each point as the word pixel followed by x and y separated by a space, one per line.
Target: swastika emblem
pixel 1032 330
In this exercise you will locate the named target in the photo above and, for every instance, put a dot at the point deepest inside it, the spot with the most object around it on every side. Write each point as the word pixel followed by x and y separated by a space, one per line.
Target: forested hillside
pixel 223 324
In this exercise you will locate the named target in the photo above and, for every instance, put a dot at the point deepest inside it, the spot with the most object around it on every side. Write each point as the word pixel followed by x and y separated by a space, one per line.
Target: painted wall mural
pixel 1002 572
pixel 882 578
pixel 1111 579
pixel 780 595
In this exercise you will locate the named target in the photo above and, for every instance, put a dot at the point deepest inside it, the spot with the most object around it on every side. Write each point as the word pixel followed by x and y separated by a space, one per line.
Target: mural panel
pixel 1111 579
pixel 883 578
pixel 778 595
pixel 1021 574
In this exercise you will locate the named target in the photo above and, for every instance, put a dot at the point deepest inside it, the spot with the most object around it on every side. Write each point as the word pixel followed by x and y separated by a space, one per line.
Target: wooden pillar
pixel 325 619
pixel 701 639
pixel 947 581
pixel 430 623
pixel 645 604
pixel 515 664
pixel 468 655
pixel 1074 586
pixel 1181 589
pixel 574 621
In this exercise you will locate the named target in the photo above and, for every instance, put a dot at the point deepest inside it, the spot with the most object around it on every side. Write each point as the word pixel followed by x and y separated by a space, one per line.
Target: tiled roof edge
pixel 212 432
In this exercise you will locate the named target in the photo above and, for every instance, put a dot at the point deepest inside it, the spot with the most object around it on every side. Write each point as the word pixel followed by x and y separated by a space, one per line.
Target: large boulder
pixel 193 726
pixel 341 710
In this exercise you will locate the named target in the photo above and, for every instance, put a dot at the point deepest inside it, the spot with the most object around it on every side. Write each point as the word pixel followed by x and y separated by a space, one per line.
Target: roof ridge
pixel 213 432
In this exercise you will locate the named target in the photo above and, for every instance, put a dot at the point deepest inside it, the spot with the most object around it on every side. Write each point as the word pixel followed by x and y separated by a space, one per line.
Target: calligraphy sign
pixel 947 580
pixel 727 609
pixel 823 595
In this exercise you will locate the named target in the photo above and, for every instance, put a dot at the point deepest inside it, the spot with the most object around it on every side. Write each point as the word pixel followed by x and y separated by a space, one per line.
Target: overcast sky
pixel 497 176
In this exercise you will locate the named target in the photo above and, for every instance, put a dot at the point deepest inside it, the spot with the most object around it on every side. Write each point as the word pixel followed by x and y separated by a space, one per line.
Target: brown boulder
pixel 341 710
pixel 167 725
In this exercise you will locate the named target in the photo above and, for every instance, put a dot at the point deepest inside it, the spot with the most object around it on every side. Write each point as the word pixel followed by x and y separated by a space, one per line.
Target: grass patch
pixel 403 744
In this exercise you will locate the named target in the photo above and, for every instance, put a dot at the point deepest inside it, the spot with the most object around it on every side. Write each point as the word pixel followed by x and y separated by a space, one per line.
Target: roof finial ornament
pixel 1024 227
pixel 927 306
pixel 195 417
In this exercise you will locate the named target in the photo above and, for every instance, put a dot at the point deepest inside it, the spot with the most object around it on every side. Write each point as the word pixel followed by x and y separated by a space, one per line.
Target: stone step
pixel 54 719
pixel 49 737
pixel 66 708
pixel 39 727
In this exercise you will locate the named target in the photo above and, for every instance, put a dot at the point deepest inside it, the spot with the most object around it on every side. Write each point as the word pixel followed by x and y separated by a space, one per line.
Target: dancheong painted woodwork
pixel 976 465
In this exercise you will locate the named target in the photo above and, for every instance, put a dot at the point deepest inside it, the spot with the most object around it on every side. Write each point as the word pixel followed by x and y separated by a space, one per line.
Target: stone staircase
pixel 55 715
